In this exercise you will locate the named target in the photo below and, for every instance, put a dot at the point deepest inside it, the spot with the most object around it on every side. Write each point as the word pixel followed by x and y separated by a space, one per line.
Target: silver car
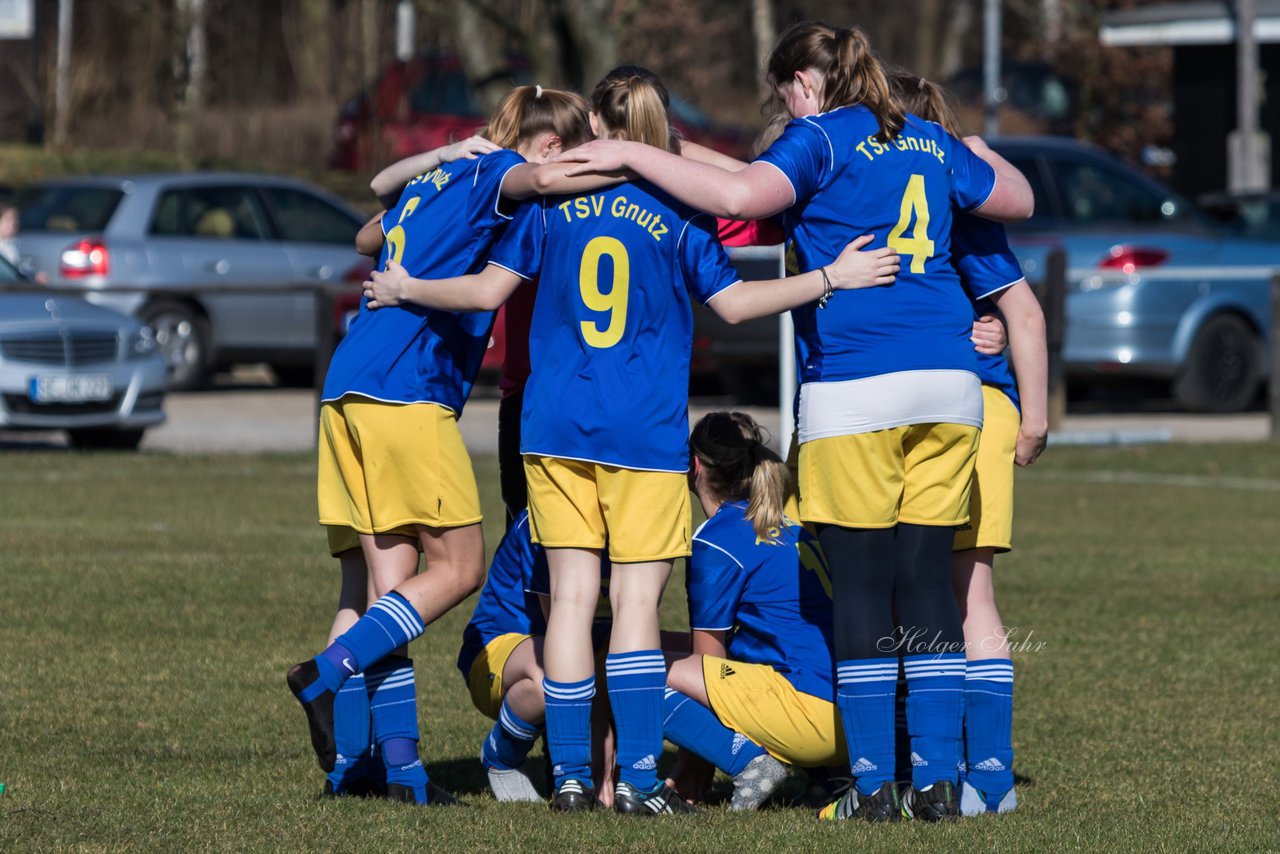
pixel 68 365
pixel 221 266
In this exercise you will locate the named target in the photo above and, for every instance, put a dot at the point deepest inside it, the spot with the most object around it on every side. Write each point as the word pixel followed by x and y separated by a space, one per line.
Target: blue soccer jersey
pixel 987 266
pixel 613 325
pixel 509 602
pixel 444 225
pixel 773 598
pixel 847 184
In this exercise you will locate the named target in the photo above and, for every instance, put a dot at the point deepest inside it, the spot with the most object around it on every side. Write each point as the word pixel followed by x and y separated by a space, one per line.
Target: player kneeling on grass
pixel 758 689
pixel 501 658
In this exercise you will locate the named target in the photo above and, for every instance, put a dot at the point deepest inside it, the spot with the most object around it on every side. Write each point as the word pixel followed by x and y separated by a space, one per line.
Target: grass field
pixel 149 606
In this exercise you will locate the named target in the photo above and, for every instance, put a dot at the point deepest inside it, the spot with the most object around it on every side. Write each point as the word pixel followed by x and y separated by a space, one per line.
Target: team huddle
pixel 815 585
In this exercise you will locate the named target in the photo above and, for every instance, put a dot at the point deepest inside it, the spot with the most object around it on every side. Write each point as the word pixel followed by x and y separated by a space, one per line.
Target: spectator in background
pixel 9 234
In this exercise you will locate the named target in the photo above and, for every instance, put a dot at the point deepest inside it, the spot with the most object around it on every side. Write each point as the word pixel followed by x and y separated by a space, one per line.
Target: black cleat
pixel 436 796
pixel 883 805
pixel 572 796
pixel 661 801
pixel 936 802
pixel 304 681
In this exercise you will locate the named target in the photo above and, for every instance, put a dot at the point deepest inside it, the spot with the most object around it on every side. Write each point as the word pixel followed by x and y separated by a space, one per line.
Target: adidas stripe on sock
pixel 865 691
pixel 988 725
pixel 935 710
pixel 636 683
pixel 691 725
pixel 510 740
pixel 569 727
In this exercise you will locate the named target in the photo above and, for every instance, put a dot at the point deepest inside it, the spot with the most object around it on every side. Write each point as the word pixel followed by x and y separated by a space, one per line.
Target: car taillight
pixel 87 257
pixel 1129 259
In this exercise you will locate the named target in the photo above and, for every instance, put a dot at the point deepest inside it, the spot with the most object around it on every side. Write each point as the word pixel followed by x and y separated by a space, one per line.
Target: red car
pixel 428 102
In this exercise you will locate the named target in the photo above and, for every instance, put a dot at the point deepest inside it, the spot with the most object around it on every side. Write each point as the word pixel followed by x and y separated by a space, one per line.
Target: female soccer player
pixel 605 421
pixel 759 685
pixel 890 402
pixel 391 458
pixel 1015 423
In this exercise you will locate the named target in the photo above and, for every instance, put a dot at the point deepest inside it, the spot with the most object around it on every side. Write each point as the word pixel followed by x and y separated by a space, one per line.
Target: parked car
pixel 428 102
pixel 1155 288
pixel 68 365
pixel 221 266
pixel 1255 215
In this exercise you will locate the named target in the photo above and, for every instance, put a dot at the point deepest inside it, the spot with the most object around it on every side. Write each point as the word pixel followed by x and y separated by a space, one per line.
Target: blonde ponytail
pixel 632 102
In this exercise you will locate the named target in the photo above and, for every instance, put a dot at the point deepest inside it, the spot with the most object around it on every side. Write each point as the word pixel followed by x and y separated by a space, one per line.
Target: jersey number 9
pixel 615 301
pixel 395 237
pixel 918 245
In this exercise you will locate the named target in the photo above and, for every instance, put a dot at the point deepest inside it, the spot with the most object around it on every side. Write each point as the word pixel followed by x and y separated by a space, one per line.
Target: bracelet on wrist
pixel 827 289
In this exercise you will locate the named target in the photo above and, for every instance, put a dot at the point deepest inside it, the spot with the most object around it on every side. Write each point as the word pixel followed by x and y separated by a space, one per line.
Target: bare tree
pixel 189 71
pixel 765 32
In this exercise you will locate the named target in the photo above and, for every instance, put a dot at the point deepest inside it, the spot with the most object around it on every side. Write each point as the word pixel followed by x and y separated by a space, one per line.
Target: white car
pixel 68 365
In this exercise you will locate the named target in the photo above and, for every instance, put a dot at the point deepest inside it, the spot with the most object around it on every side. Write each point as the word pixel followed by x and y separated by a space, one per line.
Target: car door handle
pixel 321 272
pixel 221 266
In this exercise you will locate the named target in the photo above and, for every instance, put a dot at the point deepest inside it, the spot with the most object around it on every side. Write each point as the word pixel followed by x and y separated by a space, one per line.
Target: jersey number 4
pixel 615 301
pixel 918 245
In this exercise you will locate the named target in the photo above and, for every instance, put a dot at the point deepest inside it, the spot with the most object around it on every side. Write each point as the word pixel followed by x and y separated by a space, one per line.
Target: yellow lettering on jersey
pixel 870 148
pixel 585 207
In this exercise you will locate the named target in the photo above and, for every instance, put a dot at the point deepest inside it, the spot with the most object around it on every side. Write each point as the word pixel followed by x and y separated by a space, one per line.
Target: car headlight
pixel 142 343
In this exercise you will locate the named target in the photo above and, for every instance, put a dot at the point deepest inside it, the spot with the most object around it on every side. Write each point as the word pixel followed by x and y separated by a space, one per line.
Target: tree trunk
pixel 927 25
pixel 594 38
pixel 190 74
pixel 764 30
pixel 954 37
pixel 480 45
pixel 62 76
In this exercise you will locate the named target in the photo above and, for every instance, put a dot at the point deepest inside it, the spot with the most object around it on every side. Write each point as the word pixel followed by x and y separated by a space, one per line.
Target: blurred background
pixel 201 166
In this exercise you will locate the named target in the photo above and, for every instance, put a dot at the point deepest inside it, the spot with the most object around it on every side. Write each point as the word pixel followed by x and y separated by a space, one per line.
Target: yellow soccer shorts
pixel 919 474
pixel 759 702
pixel 642 515
pixel 385 466
pixel 485 679
pixel 342 539
pixel 990 524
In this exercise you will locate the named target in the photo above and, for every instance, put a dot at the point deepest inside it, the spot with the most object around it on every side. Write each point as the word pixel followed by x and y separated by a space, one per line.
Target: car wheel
pixel 90 438
pixel 182 334
pixel 1223 367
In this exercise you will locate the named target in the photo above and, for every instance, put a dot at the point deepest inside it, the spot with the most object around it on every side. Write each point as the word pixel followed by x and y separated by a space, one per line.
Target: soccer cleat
pixel 974 801
pixel 512 786
pixel 661 801
pixel 882 805
pixel 317 701
pixel 935 802
pixel 435 796
pixel 756 783
pixel 572 796
pixel 362 787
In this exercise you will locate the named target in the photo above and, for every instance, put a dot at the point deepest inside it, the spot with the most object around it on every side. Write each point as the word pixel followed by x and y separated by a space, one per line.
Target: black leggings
pixel 882 579
pixel 515 490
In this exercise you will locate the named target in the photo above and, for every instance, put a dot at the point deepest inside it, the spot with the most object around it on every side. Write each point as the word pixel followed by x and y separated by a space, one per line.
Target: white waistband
pixel 848 407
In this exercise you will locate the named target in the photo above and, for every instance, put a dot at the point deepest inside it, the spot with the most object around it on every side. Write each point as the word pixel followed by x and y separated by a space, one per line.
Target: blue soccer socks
pixel 988 727
pixel 691 725
pixel 569 728
pixel 389 624
pixel 636 684
pixel 394 708
pixel 935 711
pixel 509 742
pixel 352 734
pixel 865 692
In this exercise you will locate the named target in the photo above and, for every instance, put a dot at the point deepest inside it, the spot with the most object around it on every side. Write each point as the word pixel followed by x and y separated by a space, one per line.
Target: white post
pixel 405 26
pixel 62 74
pixel 994 92
pixel 786 382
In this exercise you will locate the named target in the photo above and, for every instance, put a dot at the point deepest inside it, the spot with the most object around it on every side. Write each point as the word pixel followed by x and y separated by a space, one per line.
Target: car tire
pixel 182 335
pixel 1223 367
pixel 105 438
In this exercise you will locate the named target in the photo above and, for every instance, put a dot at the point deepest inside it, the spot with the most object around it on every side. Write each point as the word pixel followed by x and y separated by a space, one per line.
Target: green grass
pixel 149 606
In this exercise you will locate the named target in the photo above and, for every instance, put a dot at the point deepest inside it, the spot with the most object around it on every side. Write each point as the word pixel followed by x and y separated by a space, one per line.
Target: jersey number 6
pixel 395 237
pixel 615 301
pixel 918 245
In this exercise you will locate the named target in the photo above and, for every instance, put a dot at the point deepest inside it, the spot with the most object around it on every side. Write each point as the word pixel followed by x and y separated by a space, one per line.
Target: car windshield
pixel 66 208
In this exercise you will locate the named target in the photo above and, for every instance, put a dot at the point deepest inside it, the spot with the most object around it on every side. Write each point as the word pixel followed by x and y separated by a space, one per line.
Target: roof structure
pixel 1193 23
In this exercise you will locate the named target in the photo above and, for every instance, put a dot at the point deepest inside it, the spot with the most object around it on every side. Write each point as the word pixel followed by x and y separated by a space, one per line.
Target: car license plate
pixel 72 388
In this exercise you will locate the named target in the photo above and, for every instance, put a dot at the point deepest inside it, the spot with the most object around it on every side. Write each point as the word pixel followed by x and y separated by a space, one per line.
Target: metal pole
pixel 786 382
pixel 1248 176
pixel 62 74
pixel 406 37
pixel 1054 303
pixel 994 93
pixel 326 340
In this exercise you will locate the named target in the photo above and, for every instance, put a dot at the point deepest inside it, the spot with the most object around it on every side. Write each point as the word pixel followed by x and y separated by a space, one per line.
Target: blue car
pixel 1154 288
